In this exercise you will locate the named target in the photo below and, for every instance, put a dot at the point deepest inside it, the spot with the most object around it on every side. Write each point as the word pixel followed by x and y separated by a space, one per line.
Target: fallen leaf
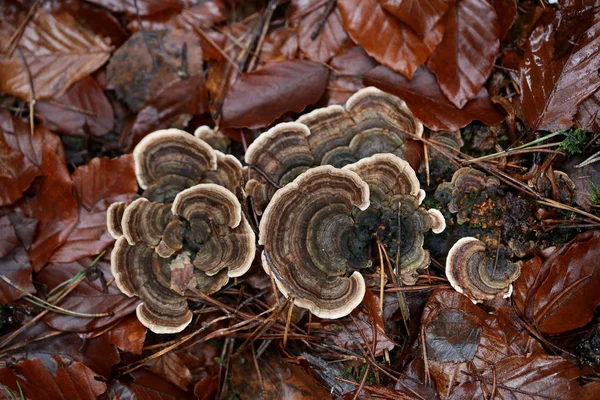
pixel 173 369
pixel 82 110
pixel 554 81
pixel 280 380
pixel 16 267
pixel 506 10
pixel 187 96
pixel 149 61
pixel 464 59
pixel 588 113
pixel 128 335
pixel 16 173
pixel 134 8
pixel 583 178
pixel 54 49
pixel 320 36
pixel 72 381
pixel 8 236
pixel 347 80
pixel 98 184
pixel 562 296
pixel 385 38
pixel 420 15
pixel 423 96
pixel 90 296
pixel 102 23
pixel 148 386
pixel 274 89
pixel 279 45
pixel 24 227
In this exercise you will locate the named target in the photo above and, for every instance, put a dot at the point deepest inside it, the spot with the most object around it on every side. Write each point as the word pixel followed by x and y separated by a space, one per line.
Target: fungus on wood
pixel 478 273
pixel 371 122
pixel 320 230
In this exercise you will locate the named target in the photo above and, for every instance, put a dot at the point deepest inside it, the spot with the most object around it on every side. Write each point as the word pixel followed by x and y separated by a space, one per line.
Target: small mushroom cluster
pixel 371 122
pixel 185 234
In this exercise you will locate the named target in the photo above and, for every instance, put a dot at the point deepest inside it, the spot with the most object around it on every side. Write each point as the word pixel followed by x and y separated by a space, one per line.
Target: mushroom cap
pixel 215 138
pixel 114 214
pixel 300 230
pixel 172 152
pixel 138 271
pixel 145 221
pixel 371 122
pixel 479 276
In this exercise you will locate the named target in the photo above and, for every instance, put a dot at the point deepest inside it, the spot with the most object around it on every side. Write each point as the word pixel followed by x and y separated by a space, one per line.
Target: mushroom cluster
pixel 371 122
pixel 186 233
pixel 479 275
pixel 321 229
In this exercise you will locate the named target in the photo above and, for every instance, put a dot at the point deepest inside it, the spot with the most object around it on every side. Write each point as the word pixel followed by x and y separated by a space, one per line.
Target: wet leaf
pixel 16 173
pixel 350 66
pixel 588 113
pixel 54 48
pixel 90 297
pixel 138 7
pixel 185 97
pixel 583 178
pixel 452 336
pixel 506 10
pixel 279 45
pixel 173 369
pixel 128 335
pixel 555 81
pixel 464 59
pixel 16 267
pixel 82 110
pixel 71 381
pixel 148 386
pixel 275 89
pixel 420 15
pixel 280 380
pixel 149 61
pixel 427 102
pixel 385 38
pixel 98 184
pixel 562 296
pixel 103 23
pixel 307 16
pixel 8 235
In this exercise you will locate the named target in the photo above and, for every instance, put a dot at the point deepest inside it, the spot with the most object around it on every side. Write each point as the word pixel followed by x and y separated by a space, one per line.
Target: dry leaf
pixel 420 15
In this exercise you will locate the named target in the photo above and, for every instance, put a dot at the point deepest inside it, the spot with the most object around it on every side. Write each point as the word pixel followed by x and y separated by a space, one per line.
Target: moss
pixel 595 194
pixel 574 141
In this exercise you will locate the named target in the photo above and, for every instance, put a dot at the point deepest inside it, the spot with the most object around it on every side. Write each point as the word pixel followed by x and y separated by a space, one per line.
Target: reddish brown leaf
pixel 148 386
pixel 128 335
pixel 97 185
pixel 54 206
pixel 420 15
pixel 150 61
pixel 506 10
pixel 279 45
pixel 320 36
pixel 8 236
pixel 274 90
pixel 465 57
pixel 588 113
pixel 74 381
pixel 179 98
pixel 138 7
pixel 281 380
pixel 564 293
pixel 425 99
pixel 385 38
pixel 82 110
pixel 16 173
pixel 91 296
pixel 16 267
pixel 173 369
pixel 558 74
pixel 54 48
pixel 350 66
pixel 532 377
pixel 103 23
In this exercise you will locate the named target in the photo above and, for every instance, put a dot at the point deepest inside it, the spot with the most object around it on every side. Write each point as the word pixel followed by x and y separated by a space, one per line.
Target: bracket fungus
pixel 319 231
pixel 371 122
pixel 479 275
pixel 187 232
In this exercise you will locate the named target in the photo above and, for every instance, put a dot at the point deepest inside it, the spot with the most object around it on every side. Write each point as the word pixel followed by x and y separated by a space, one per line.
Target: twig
pixel 31 93
pixel 265 27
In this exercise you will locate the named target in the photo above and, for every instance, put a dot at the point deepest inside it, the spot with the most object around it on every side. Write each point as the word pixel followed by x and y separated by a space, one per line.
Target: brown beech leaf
pixel 274 90
pixel 149 61
pixel 558 74
pixel 98 184
pixel 350 66
pixel 82 110
pixel 279 45
pixel 72 381
pixel 320 36
pixel 16 267
pixel 8 235
pixel 128 334
pixel 281 380
pixel 420 15
pixel 16 173
pixel 529 377
pixel 588 113
pixel 180 97
pixel 54 48
pixel 149 386
pixel 464 59
pixel 103 23
pixel 138 7
pixel 563 294
pixel 90 296
pixel 173 369
pixel 423 96
pixel 506 10
pixel 385 38
pixel 54 206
